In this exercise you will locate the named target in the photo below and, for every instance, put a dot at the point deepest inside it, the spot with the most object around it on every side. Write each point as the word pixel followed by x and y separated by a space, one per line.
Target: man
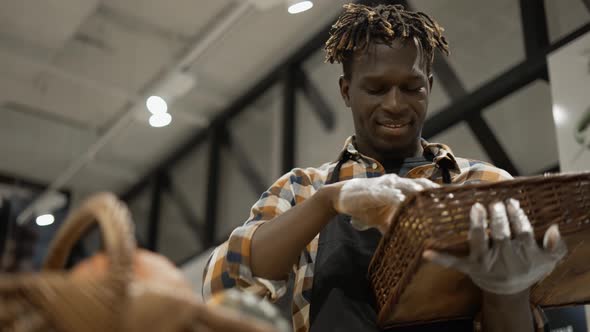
pixel 302 224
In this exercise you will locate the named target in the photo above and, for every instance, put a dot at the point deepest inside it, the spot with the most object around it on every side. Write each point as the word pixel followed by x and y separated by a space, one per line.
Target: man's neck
pixel 396 160
pixel 392 156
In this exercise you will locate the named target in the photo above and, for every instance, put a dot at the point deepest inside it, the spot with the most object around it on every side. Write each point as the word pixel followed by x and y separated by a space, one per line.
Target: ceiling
pixel 73 68
pixel 70 70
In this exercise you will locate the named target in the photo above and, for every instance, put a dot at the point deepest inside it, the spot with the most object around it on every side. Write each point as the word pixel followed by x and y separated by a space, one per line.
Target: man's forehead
pixel 397 44
pixel 408 54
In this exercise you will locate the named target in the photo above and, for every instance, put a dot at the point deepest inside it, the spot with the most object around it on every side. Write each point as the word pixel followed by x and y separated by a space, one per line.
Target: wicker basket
pixel 410 291
pixel 55 300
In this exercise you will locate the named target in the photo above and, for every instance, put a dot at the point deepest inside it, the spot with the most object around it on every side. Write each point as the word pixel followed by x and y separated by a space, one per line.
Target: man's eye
pixel 413 88
pixel 376 90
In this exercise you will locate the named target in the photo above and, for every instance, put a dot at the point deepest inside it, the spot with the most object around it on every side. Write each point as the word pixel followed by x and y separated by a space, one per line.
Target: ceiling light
pixel 560 115
pixel 296 7
pixel 160 120
pixel 45 220
pixel 156 105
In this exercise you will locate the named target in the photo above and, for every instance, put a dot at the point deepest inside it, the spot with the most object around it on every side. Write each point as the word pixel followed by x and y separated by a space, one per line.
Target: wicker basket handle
pixel 116 228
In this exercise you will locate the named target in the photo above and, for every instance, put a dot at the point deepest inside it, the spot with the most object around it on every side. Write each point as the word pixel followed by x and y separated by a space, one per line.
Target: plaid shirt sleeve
pixel 475 171
pixel 229 264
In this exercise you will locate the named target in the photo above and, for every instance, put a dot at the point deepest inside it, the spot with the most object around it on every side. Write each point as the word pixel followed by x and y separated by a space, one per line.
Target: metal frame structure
pixel 8 221
pixel 466 106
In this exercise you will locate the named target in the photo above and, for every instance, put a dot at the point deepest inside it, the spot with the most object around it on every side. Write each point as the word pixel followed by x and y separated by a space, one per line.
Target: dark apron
pixel 341 297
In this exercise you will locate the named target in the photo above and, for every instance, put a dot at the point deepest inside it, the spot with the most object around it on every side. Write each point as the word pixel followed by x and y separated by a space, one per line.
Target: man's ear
pixel 430 82
pixel 344 89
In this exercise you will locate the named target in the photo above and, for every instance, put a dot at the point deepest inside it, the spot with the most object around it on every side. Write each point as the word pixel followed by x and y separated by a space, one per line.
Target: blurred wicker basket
pixel 56 300
pixel 409 291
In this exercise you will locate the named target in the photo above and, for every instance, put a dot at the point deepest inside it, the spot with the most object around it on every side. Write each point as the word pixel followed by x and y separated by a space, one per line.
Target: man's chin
pixel 400 147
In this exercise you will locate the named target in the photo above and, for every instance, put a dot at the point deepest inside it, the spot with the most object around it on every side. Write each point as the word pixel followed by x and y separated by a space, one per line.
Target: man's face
pixel 387 92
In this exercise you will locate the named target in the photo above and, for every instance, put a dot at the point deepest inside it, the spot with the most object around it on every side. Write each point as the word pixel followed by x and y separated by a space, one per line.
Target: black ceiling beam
pixel 140 185
pixel 240 104
pixel 213 177
pixel 319 105
pixel 5 225
pixel 534 30
pixel 472 103
pixel 448 78
pixel 503 85
pixel 245 165
pixel 155 212
pixel 490 143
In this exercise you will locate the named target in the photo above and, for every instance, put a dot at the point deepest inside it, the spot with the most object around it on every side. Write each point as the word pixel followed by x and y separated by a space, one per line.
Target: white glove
pixel 372 202
pixel 509 265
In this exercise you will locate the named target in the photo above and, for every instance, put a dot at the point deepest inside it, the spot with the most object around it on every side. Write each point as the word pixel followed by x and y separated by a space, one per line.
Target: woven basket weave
pixel 55 300
pixel 410 291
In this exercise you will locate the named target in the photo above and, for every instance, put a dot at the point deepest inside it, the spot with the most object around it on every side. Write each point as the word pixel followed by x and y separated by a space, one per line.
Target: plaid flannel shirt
pixel 229 264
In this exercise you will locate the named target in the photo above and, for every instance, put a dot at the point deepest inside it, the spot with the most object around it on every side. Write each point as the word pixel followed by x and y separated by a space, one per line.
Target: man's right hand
pixel 277 244
pixel 372 202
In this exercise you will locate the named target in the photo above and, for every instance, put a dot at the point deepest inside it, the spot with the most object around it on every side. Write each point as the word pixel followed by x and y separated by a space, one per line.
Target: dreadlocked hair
pixel 360 25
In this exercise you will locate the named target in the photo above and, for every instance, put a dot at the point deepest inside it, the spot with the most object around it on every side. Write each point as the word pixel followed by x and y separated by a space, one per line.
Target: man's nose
pixel 393 100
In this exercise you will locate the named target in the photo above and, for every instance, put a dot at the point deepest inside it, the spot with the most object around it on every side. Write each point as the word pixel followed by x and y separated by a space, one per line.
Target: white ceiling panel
pixel 260 41
pixel 523 124
pixel 116 56
pixel 186 17
pixel 21 61
pixel 62 98
pixel 47 24
pixel 38 148
pixel 13 70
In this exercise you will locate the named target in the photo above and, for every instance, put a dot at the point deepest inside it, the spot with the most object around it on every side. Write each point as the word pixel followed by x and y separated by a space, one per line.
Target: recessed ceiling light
pixel 45 220
pixel 160 120
pixel 156 105
pixel 560 115
pixel 296 7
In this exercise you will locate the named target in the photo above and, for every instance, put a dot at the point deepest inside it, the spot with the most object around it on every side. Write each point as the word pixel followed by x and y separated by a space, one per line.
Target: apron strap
pixel 335 177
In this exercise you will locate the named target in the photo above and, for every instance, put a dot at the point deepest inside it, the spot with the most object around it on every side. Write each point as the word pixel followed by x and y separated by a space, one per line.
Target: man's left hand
pixel 510 263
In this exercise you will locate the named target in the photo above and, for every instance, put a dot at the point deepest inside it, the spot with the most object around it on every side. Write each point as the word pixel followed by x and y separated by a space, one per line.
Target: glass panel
pixel 523 123
pixel 316 144
pixel 485 37
pixel 176 240
pixel 564 16
pixel 460 139
pixel 256 134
